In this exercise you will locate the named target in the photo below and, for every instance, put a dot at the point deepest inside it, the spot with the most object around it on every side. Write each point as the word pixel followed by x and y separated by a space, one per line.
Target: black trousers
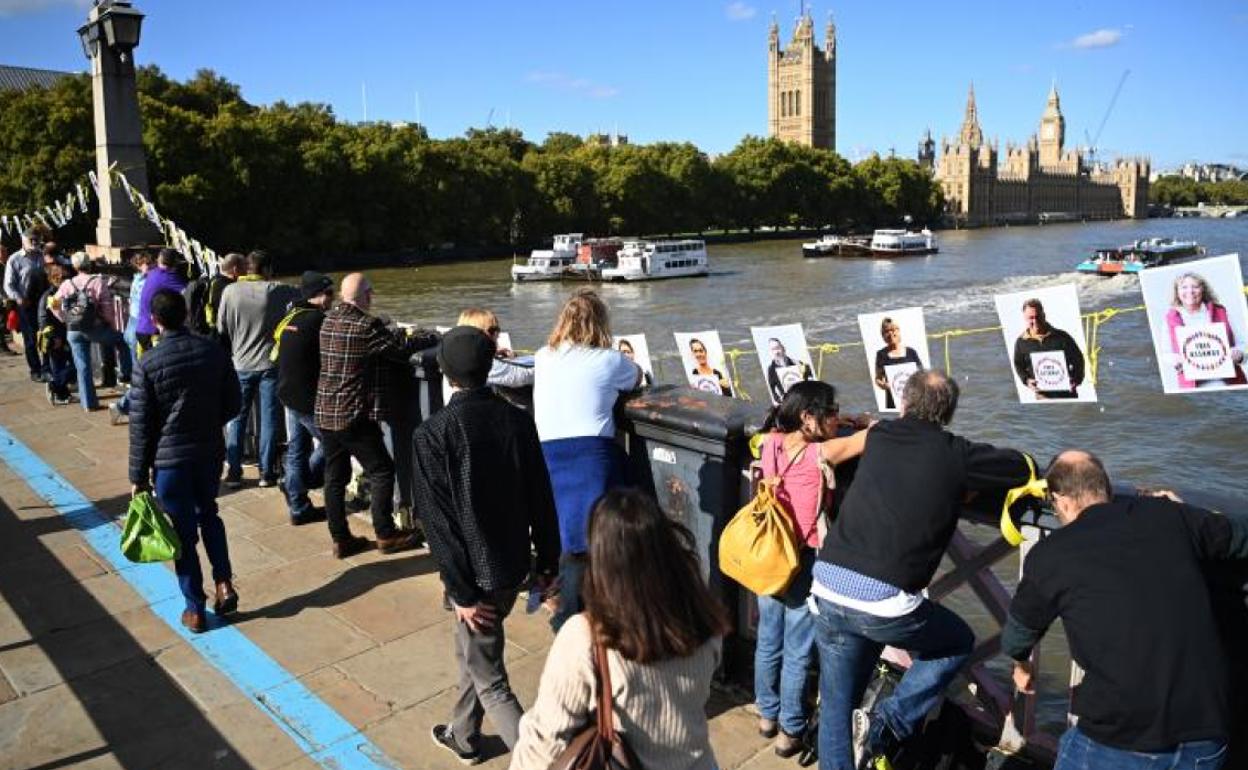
pixel 363 441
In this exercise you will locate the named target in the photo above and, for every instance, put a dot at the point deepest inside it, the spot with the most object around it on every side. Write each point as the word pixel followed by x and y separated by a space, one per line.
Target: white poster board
pixel 1044 343
pixel 702 359
pixel 1199 321
pixel 895 343
pixel 634 347
pixel 783 356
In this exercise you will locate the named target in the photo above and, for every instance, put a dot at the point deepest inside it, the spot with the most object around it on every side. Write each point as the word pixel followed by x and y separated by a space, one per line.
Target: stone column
pixel 118 140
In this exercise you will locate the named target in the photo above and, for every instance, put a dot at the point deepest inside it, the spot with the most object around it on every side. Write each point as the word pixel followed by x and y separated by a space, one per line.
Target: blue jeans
pixel 80 345
pixel 28 318
pixel 62 369
pixel 250 382
pixel 305 462
pixel 786 637
pixel 132 344
pixel 188 493
pixel 400 450
pixel 1079 752
pixel 850 642
pixel 571 575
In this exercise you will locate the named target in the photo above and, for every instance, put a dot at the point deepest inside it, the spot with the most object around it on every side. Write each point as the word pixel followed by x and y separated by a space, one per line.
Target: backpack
pixel 758 548
pixel 82 314
pixel 196 295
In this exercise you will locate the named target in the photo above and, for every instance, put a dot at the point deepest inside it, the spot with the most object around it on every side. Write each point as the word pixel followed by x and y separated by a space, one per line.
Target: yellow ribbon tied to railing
pixel 1035 487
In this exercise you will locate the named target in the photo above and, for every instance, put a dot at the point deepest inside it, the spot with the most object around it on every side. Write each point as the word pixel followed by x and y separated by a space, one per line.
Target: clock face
pixel 1046 131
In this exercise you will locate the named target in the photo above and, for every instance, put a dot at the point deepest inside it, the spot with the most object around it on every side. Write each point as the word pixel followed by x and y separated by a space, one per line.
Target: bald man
pixel 1125 575
pixel 353 396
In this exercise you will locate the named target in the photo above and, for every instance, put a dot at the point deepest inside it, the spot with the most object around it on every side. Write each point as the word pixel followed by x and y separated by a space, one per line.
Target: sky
pixel 695 70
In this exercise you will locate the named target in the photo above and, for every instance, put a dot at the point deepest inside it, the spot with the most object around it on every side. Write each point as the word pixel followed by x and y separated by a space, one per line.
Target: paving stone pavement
pixel 91 677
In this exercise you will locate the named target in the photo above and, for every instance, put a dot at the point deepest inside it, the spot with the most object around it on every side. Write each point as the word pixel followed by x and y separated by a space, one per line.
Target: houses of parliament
pixel 1037 181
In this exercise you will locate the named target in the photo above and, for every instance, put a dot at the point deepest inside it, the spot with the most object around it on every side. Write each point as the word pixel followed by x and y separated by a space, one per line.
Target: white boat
pixel 837 246
pixel 549 264
pixel 653 260
pixel 894 243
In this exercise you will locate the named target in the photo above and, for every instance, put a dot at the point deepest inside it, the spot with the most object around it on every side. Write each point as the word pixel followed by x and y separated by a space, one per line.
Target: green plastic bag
pixel 148 535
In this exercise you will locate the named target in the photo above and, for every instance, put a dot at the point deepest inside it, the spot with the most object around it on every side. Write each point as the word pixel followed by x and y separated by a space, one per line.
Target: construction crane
pixel 1094 142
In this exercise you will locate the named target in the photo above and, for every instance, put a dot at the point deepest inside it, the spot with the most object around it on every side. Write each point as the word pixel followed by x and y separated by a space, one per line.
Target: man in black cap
pixel 483 491
pixel 297 351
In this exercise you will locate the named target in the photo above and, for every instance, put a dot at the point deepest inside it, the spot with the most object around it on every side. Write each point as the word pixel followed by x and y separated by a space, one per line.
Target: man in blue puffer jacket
pixel 184 392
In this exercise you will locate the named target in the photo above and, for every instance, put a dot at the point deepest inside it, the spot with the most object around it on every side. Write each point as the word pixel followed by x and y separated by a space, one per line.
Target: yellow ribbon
pixel 1034 487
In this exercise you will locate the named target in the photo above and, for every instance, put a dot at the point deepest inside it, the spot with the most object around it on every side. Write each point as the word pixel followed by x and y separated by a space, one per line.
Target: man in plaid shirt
pixel 352 398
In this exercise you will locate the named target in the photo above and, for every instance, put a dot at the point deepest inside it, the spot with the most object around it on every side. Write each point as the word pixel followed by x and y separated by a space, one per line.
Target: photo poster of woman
pixel 702 358
pixel 1199 321
pixel 1043 332
pixel 783 354
pixel 895 342
pixel 635 348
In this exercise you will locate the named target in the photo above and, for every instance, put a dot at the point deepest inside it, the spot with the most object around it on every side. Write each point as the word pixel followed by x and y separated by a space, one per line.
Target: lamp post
pixel 108 39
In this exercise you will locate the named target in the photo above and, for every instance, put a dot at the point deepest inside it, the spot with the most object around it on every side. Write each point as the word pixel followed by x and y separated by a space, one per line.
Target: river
pixel 1145 436
pixel 1191 441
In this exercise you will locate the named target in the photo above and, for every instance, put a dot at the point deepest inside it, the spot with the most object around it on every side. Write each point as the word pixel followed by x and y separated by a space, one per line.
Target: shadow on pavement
pixel 140 715
pixel 348 585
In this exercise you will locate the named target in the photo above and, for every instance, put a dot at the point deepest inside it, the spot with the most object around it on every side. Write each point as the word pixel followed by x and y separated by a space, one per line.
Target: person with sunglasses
pixel 504 373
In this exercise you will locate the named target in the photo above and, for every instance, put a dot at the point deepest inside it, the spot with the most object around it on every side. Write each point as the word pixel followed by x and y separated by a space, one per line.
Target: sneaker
pixel 860 725
pixel 115 415
pixel 767 727
pixel 442 736
pixel 232 482
pixel 266 482
pixel 401 540
pixel 61 400
pixel 47 389
pixel 350 546
pixel 787 745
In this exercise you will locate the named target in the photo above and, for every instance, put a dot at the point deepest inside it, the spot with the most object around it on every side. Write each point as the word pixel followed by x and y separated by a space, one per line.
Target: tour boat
pixel 838 246
pixel 549 264
pixel 899 243
pixel 1141 255
pixel 653 260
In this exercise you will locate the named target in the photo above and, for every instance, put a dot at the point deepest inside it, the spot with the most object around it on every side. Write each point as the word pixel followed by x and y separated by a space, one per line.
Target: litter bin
pixel 689 449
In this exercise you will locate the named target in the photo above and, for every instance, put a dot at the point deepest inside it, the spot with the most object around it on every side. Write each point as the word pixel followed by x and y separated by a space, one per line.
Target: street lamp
pixel 118 24
pixel 108 39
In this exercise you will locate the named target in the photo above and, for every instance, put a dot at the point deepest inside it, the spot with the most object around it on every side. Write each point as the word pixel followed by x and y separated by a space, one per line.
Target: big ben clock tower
pixel 1052 131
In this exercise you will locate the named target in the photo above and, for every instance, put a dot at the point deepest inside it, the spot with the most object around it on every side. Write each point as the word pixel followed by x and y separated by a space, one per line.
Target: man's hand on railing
pixel 1022 677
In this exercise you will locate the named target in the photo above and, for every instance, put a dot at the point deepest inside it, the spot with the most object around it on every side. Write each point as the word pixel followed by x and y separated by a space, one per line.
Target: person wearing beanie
pixel 85 304
pixel 297 351
pixel 484 494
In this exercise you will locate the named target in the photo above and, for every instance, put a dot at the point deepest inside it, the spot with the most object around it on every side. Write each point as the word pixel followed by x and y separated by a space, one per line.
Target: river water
pixel 1192 441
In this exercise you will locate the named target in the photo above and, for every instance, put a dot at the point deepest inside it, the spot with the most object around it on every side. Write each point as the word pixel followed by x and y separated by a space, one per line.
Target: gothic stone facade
pixel 801 86
pixel 1041 177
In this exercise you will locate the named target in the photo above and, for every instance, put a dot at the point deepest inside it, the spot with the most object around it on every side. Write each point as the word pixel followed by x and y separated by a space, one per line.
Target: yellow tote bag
pixel 758 548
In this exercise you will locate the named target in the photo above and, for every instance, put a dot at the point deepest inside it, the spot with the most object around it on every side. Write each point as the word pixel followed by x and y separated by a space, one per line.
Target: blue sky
pixel 695 70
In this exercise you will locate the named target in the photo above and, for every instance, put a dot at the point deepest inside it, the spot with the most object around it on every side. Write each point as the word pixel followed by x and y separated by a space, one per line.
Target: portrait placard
pixel 1198 317
pixel 635 348
pixel 1043 332
pixel 895 342
pixel 784 357
pixel 702 359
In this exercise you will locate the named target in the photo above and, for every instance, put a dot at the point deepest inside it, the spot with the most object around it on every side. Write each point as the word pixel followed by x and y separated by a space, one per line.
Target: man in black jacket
pixel 484 493
pixel 297 351
pixel 1125 575
pixel 1040 336
pixel 184 392
pixel 894 525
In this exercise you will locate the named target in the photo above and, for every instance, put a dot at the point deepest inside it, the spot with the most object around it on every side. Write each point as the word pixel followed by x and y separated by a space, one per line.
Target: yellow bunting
pixel 1034 487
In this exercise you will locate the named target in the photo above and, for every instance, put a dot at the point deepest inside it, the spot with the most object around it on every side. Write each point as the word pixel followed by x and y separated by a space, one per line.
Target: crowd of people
pixel 513 499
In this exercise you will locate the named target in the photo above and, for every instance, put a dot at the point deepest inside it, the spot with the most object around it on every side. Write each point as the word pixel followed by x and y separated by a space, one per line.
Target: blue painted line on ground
pixel 322 733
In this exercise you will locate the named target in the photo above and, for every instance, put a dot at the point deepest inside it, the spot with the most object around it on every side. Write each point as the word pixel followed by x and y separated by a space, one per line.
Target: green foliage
pixel 296 180
pixel 1181 191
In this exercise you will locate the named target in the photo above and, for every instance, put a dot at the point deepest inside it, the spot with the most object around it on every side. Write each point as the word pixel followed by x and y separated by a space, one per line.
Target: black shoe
pixel 442 736
pixel 232 482
pixel 37 377
pixel 313 514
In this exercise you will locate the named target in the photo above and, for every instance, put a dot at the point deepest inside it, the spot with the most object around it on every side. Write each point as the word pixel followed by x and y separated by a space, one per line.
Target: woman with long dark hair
pixel 801 448
pixel 662 630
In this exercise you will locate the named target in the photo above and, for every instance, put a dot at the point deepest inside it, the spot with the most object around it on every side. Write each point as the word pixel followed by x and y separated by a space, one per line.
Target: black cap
pixel 466 355
pixel 314 283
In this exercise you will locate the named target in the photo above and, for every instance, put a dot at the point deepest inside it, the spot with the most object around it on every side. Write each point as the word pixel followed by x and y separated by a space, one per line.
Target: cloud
pixel 20 7
pixel 1101 38
pixel 561 81
pixel 739 11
